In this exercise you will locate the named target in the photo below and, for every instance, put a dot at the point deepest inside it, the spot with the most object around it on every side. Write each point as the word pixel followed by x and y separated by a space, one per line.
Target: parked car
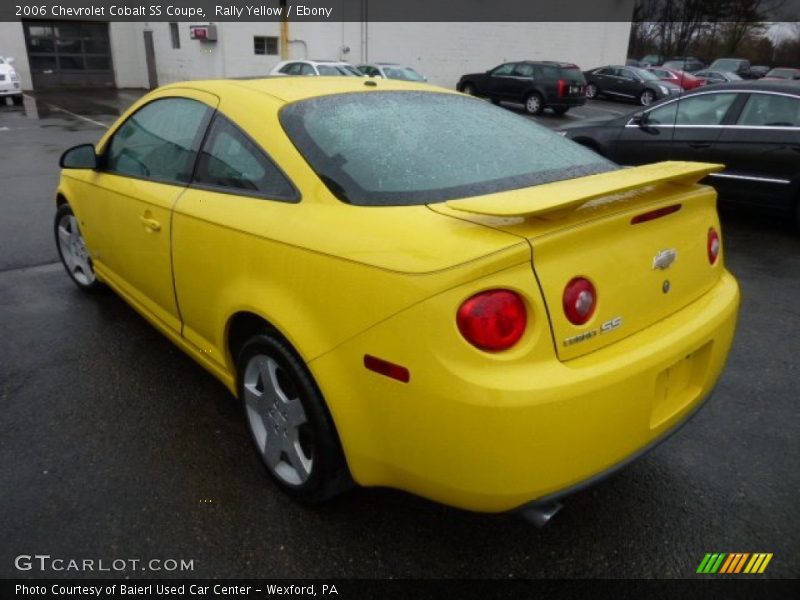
pixel 535 84
pixel 753 128
pixel 632 62
pixel 759 71
pixel 688 64
pixel 685 80
pixel 316 67
pixel 628 83
pixel 740 66
pixel 391 71
pixel 339 256
pixel 783 73
pixel 10 84
pixel 717 76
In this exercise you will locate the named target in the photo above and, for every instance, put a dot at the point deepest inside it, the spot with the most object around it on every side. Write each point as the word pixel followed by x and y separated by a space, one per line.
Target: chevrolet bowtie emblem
pixel 664 259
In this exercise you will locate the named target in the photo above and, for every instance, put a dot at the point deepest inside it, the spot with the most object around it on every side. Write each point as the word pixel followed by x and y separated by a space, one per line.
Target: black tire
pixel 17 100
pixel 534 103
pixel 591 91
pixel 647 97
pixel 84 278
pixel 468 88
pixel 327 474
pixel 495 101
pixel 560 110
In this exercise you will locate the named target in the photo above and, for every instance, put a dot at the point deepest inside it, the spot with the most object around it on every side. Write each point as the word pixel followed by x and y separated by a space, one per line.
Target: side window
pixel 231 161
pixel 523 70
pixel 505 69
pixel 291 69
pixel 307 70
pixel 604 71
pixel 550 72
pixel 703 109
pixel 159 141
pixel 767 110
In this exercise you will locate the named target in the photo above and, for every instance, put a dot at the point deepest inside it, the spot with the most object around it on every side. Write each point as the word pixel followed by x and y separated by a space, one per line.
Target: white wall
pixel 12 43
pixel 127 55
pixel 445 51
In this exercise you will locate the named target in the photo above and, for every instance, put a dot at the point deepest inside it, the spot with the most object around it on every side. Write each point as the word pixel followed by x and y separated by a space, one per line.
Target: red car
pixel 686 80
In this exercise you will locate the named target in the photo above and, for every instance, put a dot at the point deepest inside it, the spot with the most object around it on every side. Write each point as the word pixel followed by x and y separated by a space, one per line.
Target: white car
pixel 316 67
pixel 391 71
pixel 10 84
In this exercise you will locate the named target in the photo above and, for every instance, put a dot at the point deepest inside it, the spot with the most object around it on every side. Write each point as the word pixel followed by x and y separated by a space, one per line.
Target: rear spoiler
pixel 568 195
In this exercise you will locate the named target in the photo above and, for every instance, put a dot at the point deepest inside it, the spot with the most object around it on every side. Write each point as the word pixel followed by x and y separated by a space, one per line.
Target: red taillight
pixel 493 320
pixel 713 246
pixel 580 299
pixel 562 86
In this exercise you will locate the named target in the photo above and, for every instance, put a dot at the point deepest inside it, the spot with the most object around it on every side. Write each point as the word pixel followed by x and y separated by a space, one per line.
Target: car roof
pixel 292 89
pixel 790 87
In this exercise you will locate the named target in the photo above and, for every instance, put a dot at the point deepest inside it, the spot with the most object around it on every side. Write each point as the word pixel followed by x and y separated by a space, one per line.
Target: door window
pixel 703 109
pixel 230 161
pixel 502 70
pixel 159 141
pixel 523 70
pixel 307 70
pixel 770 110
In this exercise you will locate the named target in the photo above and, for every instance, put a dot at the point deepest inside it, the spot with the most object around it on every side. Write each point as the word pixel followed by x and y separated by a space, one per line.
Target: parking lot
pixel 116 445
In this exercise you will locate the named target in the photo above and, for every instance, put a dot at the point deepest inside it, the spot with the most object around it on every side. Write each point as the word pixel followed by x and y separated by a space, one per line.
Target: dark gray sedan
pixel 752 127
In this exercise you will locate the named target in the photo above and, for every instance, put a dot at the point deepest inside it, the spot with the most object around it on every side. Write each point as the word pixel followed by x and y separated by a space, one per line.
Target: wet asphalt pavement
pixel 116 445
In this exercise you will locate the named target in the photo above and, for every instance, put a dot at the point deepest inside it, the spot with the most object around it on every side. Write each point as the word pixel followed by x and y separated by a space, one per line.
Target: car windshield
pixel 732 77
pixel 345 70
pixel 644 73
pixel 787 73
pixel 2 62
pixel 409 148
pixel 405 73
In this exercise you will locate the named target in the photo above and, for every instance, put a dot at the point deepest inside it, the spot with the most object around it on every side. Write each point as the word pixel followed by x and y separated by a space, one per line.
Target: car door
pixel 602 78
pixel 761 151
pixel 647 137
pixel 699 121
pixel 235 182
pixel 144 167
pixel 499 82
pixel 520 82
pixel 629 84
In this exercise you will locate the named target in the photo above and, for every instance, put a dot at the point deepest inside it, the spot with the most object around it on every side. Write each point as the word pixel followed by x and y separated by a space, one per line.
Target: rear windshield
pixel 407 148
pixel 572 74
pixel 727 64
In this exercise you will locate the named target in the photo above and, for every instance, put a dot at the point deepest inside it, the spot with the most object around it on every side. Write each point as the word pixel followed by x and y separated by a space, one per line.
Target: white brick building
pixel 73 54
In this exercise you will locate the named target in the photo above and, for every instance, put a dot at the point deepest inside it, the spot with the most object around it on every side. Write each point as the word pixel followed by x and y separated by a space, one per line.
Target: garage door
pixel 69 54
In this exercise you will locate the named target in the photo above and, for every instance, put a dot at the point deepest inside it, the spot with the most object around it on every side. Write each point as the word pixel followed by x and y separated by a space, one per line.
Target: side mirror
pixel 79 157
pixel 639 119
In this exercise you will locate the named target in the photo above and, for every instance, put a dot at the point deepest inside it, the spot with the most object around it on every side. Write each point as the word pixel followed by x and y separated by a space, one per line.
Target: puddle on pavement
pixel 100 105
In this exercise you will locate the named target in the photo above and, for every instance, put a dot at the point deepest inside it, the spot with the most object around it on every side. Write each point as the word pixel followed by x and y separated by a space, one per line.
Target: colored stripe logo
pixel 734 563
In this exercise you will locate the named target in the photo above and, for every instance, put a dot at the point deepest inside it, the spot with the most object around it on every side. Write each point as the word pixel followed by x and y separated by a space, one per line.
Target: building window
pixel 265 45
pixel 175 35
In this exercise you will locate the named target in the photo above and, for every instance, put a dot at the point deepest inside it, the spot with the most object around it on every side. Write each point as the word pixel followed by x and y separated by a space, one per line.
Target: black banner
pixel 354 10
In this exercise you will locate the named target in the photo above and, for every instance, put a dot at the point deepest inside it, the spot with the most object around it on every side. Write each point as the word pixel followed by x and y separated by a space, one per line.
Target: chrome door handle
pixel 150 224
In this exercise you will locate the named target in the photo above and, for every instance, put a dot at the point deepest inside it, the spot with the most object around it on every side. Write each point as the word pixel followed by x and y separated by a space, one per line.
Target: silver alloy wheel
pixel 591 91
pixel 276 417
pixel 533 104
pixel 647 97
pixel 73 250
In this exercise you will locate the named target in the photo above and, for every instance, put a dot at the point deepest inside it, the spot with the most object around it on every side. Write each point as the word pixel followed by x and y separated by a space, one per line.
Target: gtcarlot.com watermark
pixel 47 563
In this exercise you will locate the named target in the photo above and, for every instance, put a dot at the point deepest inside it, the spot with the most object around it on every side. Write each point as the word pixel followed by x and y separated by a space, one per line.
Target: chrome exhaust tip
pixel 540 513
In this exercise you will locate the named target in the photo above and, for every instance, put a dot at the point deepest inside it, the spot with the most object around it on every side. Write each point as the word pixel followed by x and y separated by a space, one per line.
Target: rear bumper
pixel 568 102
pixel 493 433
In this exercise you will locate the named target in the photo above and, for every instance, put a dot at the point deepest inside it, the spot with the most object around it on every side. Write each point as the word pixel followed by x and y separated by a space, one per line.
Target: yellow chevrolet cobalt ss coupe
pixel 405 286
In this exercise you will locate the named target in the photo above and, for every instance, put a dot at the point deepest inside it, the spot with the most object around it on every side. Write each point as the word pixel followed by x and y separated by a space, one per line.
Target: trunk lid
pixel 586 227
